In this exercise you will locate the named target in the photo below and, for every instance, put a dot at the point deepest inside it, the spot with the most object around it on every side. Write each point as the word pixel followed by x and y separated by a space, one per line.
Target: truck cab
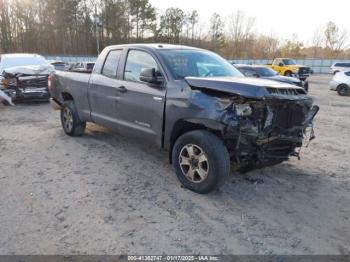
pixel 288 67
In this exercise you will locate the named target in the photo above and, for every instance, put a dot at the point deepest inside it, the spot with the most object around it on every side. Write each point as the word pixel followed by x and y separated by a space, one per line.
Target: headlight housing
pixel 243 110
pixel 4 83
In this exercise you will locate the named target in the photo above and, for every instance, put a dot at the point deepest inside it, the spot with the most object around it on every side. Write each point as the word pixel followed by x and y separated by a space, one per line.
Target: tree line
pixel 68 27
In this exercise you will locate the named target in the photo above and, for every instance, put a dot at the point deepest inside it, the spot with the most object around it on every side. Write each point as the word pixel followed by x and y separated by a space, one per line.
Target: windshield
pixel 23 61
pixel 289 62
pixel 197 63
pixel 265 71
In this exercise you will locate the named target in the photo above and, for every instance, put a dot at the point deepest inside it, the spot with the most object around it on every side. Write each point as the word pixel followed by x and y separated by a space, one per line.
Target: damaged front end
pixel 264 125
pixel 26 83
pixel 269 131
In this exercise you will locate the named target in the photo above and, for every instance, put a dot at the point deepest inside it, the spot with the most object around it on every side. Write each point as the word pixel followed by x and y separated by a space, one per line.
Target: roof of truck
pixel 155 46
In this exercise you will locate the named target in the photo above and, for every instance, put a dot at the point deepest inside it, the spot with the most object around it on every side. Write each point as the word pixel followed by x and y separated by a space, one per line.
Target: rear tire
pixel 343 90
pixel 71 123
pixel 201 161
pixel 5 103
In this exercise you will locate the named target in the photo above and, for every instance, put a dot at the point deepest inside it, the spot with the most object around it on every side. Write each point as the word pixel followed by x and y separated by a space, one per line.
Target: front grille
pixel 30 82
pixel 285 91
pixel 39 82
pixel 304 70
pixel 287 115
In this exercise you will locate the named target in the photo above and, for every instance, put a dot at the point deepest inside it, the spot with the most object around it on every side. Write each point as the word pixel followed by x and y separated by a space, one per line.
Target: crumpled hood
pixel 243 86
pixel 30 70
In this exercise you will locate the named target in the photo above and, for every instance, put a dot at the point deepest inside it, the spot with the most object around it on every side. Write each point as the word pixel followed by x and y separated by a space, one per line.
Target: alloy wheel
pixel 194 163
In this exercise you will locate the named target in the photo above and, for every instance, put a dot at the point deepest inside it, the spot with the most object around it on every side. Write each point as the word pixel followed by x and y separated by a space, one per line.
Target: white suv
pixel 338 67
pixel 341 83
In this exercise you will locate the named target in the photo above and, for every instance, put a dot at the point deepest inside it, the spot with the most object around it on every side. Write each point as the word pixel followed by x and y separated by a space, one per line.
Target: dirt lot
pixel 103 193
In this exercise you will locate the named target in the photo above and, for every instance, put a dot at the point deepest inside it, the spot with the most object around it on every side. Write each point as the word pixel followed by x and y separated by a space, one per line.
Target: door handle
pixel 122 89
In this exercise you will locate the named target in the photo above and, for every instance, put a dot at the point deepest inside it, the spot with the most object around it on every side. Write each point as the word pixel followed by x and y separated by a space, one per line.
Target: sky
pixel 280 18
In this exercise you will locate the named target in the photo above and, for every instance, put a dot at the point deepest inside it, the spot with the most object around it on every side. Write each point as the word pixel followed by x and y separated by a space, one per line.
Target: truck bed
pixel 77 85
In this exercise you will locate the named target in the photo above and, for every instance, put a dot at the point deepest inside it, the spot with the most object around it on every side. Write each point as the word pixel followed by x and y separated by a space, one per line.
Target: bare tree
pixel 240 32
pixel 317 41
pixel 334 39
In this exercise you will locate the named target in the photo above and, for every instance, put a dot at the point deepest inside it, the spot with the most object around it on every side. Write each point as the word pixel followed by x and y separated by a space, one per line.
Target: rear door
pixel 140 108
pixel 104 91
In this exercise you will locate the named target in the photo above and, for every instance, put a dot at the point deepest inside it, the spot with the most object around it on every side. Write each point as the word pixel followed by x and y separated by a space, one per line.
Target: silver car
pixel 338 67
pixel 341 83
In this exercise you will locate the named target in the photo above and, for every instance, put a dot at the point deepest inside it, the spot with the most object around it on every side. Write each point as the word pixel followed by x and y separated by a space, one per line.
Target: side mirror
pixel 256 75
pixel 151 76
pixel 280 64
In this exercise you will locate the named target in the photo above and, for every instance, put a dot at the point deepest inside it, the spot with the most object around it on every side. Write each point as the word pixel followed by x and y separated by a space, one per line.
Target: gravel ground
pixel 106 194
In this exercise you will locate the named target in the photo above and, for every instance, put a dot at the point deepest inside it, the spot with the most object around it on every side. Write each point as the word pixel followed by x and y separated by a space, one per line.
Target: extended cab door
pixel 104 91
pixel 140 108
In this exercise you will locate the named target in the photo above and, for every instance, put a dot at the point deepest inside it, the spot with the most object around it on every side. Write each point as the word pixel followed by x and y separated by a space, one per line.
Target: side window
pixel 250 72
pixel 111 64
pixel 347 73
pixel 136 61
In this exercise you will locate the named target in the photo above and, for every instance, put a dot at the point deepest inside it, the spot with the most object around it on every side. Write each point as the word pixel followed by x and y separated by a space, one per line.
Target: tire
pixel 210 158
pixel 71 123
pixel 343 90
pixel 288 73
pixel 5 103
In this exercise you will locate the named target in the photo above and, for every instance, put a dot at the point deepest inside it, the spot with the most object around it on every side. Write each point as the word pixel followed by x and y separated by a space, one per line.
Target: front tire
pixel 71 123
pixel 201 161
pixel 288 73
pixel 343 90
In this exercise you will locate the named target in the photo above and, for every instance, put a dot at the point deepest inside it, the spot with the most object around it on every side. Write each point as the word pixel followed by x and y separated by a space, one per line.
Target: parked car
pixel 190 102
pixel 265 72
pixel 58 65
pixel 288 67
pixel 338 67
pixel 25 76
pixel 83 67
pixel 341 83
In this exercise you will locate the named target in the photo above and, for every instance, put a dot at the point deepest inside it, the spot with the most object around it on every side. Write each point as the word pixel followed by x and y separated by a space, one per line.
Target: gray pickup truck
pixel 190 102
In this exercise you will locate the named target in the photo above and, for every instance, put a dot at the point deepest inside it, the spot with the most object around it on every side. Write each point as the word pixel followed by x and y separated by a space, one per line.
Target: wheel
pixel 71 123
pixel 5 102
pixel 201 161
pixel 288 73
pixel 343 90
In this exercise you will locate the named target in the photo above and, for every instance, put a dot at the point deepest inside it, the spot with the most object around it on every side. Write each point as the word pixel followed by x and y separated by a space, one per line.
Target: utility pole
pixel 97 24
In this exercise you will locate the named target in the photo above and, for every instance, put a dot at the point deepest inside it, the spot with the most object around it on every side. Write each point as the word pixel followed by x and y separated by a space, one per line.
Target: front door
pixel 140 107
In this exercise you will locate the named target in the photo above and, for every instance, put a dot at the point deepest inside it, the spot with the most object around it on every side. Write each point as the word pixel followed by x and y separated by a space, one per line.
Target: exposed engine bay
pixel 265 130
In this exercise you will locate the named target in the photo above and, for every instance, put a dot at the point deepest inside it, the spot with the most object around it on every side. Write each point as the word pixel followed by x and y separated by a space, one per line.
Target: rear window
pixel 111 64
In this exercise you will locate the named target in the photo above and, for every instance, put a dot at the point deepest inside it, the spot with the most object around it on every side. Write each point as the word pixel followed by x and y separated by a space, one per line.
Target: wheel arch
pixel 66 96
pixel 183 126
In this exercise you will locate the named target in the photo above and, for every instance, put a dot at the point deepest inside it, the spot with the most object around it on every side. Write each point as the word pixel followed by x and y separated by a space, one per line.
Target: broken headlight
pixel 243 110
